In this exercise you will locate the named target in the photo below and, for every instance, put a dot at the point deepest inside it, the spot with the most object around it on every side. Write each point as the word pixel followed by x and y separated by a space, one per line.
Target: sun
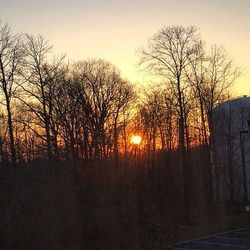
pixel 136 139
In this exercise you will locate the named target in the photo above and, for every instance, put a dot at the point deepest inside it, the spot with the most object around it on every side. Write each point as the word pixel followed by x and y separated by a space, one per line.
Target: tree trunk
pixel 116 153
pixel 184 161
pixel 11 133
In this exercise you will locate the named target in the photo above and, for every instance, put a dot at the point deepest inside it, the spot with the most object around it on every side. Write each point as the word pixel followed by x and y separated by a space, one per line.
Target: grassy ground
pixel 101 207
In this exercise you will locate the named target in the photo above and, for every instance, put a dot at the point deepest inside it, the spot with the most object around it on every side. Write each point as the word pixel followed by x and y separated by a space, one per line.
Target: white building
pixel 229 121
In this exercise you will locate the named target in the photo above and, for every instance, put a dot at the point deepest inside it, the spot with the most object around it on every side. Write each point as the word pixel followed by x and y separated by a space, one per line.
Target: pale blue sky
pixel 113 30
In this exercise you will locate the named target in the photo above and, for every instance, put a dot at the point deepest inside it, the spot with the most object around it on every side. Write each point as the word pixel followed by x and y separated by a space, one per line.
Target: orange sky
pixel 114 29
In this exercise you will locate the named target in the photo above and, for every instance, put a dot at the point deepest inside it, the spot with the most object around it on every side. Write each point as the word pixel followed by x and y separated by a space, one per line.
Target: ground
pixel 234 240
pixel 98 206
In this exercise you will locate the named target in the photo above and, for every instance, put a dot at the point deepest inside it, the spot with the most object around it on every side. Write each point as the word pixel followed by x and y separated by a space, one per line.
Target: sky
pixel 115 29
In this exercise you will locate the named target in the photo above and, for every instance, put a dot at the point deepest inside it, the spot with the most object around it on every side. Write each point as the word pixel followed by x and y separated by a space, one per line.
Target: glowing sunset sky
pixel 114 29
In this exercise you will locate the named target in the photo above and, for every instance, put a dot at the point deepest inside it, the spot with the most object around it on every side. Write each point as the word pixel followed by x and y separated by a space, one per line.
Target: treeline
pixel 86 110
pixel 55 110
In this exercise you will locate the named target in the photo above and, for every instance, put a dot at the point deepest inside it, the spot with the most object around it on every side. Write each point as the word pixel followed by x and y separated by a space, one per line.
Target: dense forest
pixel 71 175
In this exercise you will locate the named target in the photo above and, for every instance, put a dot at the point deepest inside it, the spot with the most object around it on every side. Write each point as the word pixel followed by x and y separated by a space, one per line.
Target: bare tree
pixel 103 94
pixel 168 55
pixel 68 112
pixel 125 95
pixel 40 77
pixel 221 75
pixel 11 57
pixel 210 75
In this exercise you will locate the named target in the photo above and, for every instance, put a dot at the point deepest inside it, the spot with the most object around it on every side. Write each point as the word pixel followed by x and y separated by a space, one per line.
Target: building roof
pixel 239 101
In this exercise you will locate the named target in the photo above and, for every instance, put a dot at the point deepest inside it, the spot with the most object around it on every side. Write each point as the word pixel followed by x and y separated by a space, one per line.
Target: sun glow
pixel 136 139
